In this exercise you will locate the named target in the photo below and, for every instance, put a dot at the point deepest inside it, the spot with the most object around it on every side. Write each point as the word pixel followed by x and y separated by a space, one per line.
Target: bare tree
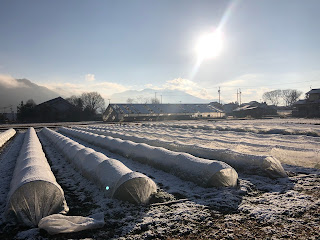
pixel 130 100
pixel 273 97
pixel 286 96
pixel 93 102
pixel 290 96
pixel 76 101
pixel 155 101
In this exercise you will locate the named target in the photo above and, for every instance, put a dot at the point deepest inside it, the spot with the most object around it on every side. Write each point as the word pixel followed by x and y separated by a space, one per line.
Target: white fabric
pixel 268 165
pixel 34 192
pixel 6 135
pixel 58 223
pixel 107 173
pixel 202 171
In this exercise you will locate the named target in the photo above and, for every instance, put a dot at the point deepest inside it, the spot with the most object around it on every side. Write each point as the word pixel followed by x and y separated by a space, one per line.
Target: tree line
pixel 86 107
pixel 288 96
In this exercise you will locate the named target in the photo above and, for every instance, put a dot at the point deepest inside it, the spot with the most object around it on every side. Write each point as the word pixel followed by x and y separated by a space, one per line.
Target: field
pixel 260 207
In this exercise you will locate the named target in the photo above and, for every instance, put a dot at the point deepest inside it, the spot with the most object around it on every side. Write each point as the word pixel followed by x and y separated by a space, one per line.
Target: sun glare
pixel 209 45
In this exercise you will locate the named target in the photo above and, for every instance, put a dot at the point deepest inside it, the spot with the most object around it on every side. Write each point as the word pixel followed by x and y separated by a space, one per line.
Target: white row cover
pixel 111 175
pixel 201 171
pixel 6 135
pixel 268 165
pixel 34 192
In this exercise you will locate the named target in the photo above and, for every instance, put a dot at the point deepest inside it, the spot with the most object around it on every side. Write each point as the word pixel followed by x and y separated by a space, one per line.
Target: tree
pixel 26 112
pixel 93 102
pixel 155 101
pixel 290 96
pixel 273 97
pixel 130 100
pixel 76 101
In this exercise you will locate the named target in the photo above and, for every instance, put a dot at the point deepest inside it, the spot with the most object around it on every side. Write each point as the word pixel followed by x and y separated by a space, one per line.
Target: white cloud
pixel 8 81
pixel 90 77
pixel 187 86
pixel 106 89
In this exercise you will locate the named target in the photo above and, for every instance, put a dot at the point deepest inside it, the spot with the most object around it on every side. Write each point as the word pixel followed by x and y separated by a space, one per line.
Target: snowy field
pixel 259 207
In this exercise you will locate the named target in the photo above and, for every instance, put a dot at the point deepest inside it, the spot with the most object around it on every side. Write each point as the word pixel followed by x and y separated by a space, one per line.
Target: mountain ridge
pixel 22 90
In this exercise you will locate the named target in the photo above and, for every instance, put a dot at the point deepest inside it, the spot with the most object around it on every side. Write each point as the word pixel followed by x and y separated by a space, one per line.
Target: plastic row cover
pixel 34 192
pixel 202 171
pixel 6 135
pixel 268 165
pixel 111 175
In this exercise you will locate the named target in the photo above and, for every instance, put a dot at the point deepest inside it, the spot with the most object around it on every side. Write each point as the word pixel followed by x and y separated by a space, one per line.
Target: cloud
pixel 8 81
pixel 187 86
pixel 90 77
pixel 106 89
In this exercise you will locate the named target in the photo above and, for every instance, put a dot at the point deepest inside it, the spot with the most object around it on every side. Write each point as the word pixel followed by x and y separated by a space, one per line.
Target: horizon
pixel 112 47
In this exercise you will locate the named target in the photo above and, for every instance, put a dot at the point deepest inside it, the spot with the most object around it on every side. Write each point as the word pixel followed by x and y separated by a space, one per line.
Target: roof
pixel 245 107
pixel 316 90
pixel 58 103
pixel 163 108
pixel 300 102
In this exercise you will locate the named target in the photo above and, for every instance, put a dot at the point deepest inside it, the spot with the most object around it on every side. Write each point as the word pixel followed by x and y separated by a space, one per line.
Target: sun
pixel 209 45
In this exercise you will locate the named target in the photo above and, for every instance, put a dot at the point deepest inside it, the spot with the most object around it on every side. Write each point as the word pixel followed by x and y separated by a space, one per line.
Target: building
pixel 147 112
pixel 255 110
pixel 55 110
pixel 309 107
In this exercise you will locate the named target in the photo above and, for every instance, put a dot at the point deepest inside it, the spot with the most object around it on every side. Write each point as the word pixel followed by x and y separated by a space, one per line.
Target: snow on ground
pixel 300 150
pixel 259 207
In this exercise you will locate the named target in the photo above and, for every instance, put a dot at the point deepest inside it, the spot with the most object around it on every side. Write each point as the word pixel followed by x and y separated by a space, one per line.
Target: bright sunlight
pixel 209 45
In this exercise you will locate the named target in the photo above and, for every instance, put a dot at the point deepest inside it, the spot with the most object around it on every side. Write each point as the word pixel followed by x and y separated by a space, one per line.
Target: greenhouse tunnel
pixel 111 175
pixel 34 192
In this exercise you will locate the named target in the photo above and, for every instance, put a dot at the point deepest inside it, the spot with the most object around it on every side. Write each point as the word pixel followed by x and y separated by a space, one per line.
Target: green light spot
pixel 107 188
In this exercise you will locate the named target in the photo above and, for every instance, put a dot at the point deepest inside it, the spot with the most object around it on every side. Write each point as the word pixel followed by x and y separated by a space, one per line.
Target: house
pixel 55 110
pixel 309 107
pixel 255 110
pixel 145 112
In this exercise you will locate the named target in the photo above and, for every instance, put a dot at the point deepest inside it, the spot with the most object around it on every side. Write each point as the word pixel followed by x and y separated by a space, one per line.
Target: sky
pixel 112 46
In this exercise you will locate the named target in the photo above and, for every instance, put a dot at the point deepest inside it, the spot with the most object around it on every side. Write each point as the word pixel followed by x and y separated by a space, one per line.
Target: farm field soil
pixel 259 208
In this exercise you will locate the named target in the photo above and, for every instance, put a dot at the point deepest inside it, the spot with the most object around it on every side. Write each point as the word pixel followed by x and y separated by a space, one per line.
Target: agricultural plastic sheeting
pixel 6 135
pixel 34 192
pixel 201 171
pixel 58 223
pixel 117 180
pixel 267 165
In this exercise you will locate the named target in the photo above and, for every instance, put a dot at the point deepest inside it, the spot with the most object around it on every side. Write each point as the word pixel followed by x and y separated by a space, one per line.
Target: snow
pixel 34 192
pixel 111 175
pixel 202 171
pixel 6 135
pixel 260 208
pixel 252 162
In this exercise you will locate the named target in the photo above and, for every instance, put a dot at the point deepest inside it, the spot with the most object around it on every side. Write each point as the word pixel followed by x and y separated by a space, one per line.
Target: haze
pixel 113 46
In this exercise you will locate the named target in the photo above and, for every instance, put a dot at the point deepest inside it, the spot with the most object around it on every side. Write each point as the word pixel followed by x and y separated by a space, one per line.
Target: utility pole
pixel 237 97
pixel 161 99
pixel 219 94
pixel 240 95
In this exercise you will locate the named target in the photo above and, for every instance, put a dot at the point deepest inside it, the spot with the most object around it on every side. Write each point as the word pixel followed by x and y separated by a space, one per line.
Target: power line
pixel 264 85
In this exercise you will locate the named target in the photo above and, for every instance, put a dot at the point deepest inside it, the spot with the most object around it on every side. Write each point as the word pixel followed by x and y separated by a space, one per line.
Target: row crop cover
pixel 267 165
pixel 117 180
pixel 34 192
pixel 6 135
pixel 201 171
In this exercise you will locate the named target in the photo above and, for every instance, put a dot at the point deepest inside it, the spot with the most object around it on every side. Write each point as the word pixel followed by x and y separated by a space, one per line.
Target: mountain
pixel 13 91
pixel 168 96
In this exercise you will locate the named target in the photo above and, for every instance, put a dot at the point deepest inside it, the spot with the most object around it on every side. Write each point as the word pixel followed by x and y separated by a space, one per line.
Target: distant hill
pixel 17 90
pixel 168 96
